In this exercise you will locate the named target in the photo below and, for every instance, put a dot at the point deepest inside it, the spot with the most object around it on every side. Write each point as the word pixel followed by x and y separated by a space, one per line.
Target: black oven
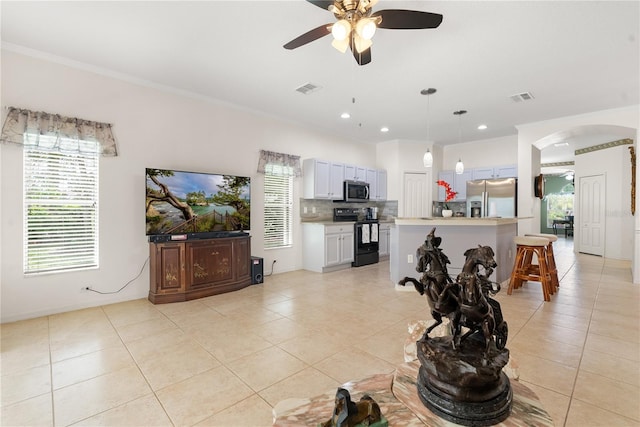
pixel 366 244
pixel 365 235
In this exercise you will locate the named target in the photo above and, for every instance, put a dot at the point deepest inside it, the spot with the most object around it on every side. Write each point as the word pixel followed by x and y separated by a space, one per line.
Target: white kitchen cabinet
pixel 508 171
pixel 384 239
pixel 322 179
pixel 336 181
pixel 458 183
pixel 372 180
pixel 325 179
pixel 339 247
pixel 482 173
pixel 355 173
pixel 381 185
pixel 377 180
pixel 327 247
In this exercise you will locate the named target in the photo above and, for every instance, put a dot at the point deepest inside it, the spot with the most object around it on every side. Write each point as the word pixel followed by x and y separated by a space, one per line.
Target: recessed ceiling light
pixel 384 129
pixel 561 144
pixel 482 127
pixel 345 115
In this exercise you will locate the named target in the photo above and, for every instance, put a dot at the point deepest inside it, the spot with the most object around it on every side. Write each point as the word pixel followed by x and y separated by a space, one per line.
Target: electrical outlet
pixel 410 258
pixel 509 253
pixel 304 209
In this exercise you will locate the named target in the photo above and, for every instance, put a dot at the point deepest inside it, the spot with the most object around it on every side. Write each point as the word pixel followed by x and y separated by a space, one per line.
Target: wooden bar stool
pixel 524 270
pixel 551 260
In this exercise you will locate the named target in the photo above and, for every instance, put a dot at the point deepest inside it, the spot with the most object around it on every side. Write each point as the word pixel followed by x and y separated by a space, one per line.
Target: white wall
pixel 610 161
pixel 154 128
pixel 614 164
pixel 387 154
pixel 405 156
pixel 482 153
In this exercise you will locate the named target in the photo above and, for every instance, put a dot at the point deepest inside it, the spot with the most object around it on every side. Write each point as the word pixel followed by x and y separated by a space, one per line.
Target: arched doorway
pixel 597 158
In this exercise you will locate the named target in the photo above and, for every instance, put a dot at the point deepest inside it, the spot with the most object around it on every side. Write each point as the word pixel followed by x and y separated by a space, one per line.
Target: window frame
pixel 278 207
pixel 60 209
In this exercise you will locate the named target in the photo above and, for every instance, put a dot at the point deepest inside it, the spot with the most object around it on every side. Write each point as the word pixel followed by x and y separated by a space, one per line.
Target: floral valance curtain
pixel 55 132
pixel 290 164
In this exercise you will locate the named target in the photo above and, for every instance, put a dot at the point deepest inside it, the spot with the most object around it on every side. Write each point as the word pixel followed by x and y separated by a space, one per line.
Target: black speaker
pixel 257 270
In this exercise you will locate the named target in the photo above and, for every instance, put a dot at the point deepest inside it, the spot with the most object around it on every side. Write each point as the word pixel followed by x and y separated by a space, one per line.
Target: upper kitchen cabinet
pixel 355 173
pixel 458 183
pixel 377 180
pixel 323 179
pixel 381 186
pixel 508 171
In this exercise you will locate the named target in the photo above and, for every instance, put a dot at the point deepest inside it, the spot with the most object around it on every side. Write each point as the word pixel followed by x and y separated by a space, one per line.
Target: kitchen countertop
pixel 331 222
pixel 462 221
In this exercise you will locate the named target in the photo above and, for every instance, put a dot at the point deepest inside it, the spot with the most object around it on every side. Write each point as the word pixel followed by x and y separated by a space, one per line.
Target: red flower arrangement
pixel 450 194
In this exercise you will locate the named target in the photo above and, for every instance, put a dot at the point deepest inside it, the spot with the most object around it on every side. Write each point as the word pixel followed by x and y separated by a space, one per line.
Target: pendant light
pixel 427 159
pixel 460 165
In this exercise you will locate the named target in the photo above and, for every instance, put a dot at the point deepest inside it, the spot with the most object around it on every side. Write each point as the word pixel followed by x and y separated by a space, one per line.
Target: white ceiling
pixel 573 56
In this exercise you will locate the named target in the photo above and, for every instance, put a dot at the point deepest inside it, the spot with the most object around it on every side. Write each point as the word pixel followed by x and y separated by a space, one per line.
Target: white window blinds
pixel 60 210
pixel 278 207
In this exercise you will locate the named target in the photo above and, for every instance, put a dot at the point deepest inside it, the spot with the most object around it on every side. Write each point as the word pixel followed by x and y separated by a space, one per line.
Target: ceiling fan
pixel 356 24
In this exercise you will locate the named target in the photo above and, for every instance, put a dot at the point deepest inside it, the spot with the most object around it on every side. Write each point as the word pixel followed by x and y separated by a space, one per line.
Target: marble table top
pixel 397 395
pixel 399 402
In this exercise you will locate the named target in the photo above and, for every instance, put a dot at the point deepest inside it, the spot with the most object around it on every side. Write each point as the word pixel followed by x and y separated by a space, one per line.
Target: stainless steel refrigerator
pixel 494 197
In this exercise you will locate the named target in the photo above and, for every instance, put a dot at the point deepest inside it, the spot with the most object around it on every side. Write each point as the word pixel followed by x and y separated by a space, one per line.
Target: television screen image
pixel 179 202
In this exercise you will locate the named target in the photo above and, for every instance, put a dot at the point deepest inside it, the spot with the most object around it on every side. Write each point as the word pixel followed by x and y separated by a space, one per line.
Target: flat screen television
pixel 179 202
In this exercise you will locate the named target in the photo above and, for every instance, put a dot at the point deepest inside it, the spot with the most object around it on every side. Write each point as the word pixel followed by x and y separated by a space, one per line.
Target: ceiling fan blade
pixel 322 4
pixel 398 19
pixel 362 58
pixel 309 36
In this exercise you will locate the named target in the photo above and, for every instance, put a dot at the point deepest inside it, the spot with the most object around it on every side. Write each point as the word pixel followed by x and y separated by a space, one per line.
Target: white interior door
pixel 591 215
pixel 417 195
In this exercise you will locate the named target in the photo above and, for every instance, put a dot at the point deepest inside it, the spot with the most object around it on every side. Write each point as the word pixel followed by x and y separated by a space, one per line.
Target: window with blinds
pixel 278 207
pixel 60 210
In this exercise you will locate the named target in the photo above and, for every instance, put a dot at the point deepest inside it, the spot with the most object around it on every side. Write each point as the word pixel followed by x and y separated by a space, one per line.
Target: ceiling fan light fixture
pixel 341 29
pixel 341 45
pixel 366 28
pixel 427 159
pixel 459 165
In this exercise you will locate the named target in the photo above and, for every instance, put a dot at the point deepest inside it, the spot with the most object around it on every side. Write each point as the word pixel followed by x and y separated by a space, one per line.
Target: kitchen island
pixel 458 235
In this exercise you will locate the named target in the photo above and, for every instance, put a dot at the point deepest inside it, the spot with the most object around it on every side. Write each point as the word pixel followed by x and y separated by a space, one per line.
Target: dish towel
pixel 365 233
pixel 374 232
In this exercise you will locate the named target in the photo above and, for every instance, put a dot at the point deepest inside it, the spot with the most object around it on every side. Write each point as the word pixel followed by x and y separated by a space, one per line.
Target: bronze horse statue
pixel 478 311
pixel 432 262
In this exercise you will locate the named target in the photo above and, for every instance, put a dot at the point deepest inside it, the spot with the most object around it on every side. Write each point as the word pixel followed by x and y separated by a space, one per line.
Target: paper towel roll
pixel 493 210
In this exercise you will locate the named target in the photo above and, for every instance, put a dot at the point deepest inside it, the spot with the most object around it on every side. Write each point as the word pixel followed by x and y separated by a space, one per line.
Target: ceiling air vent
pixel 308 88
pixel 524 96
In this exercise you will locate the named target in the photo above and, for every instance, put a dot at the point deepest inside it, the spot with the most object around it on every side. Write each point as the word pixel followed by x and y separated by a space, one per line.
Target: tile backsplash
pixel 313 210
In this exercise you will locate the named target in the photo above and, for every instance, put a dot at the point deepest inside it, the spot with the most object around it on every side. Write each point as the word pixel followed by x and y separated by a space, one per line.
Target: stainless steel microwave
pixel 356 191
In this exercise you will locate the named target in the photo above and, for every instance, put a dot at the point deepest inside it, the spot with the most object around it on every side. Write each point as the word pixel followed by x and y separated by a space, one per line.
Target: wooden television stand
pixel 186 270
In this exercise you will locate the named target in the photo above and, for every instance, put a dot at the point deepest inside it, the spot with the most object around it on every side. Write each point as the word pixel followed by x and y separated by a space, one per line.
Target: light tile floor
pixel 227 360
